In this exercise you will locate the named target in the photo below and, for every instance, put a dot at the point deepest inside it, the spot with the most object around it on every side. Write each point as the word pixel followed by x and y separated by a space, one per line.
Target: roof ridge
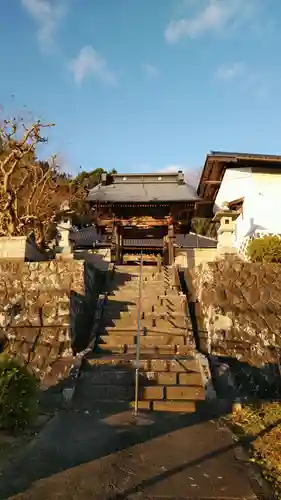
pixel 202 236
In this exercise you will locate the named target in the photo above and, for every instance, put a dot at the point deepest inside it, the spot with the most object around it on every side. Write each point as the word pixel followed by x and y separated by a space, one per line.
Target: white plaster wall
pixel 262 200
pixel 266 201
pixel 237 183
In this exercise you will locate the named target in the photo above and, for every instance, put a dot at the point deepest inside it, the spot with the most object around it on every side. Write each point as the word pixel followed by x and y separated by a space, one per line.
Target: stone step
pixel 167 406
pixel 110 392
pixel 148 323
pixel 150 305
pixel 148 293
pixel 145 332
pixel 115 348
pixel 186 364
pixel 133 269
pixel 150 308
pixel 155 363
pixel 116 376
pixel 151 294
pixel 160 313
pixel 146 281
pixel 174 406
pixel 172 378
pixel 145 340
pixel 125 375
pixel 177 335
pixel 152 350
pixel 172 393
pixel 132 349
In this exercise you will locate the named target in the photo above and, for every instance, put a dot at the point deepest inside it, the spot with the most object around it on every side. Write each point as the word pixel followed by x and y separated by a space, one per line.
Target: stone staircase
pixel 171 378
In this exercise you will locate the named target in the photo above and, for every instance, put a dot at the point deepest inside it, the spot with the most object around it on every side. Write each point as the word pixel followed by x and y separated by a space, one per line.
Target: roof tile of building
pixel 144 188
pixel 193 240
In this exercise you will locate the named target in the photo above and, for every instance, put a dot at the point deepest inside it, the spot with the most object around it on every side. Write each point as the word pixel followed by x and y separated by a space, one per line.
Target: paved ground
pixel 88 454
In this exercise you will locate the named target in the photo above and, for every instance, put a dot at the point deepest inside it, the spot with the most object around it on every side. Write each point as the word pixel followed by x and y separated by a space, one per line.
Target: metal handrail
pixel 137 373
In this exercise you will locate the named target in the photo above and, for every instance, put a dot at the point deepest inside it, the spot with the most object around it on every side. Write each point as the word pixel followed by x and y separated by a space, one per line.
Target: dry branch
pixel 27 202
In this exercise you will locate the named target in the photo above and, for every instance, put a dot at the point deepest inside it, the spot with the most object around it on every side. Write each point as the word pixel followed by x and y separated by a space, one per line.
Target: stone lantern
pixel 227 220
pixel 64 248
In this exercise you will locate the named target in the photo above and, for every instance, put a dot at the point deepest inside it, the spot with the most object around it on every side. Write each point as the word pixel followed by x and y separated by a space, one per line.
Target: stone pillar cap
pixel 233 214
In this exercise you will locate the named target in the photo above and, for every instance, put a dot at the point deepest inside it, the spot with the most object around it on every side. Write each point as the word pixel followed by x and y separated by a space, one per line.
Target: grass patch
pixel 260 428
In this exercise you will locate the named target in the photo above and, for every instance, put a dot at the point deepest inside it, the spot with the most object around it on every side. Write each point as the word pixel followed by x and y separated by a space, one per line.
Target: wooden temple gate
pixel 150 234
pixel 143 212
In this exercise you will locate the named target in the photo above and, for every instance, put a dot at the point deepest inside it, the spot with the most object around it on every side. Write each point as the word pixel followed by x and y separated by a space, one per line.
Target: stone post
pixel 64 249
pixel 227 219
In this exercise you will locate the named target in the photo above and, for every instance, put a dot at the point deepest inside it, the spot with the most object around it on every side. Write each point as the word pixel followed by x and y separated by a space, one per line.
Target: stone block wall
pixel 238 314
pixel 46 310
pixel 241 304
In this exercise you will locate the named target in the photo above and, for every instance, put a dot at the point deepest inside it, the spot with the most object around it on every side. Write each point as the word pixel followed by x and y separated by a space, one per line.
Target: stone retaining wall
pixel 241 304
pixel 238 314
pixel 47 310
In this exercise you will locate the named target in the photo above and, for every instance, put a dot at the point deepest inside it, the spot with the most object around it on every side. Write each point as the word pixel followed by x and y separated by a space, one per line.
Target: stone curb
pixel 75 369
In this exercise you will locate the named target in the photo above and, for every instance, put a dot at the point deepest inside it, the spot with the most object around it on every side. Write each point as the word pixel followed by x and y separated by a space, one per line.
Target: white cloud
pixel 90 63
pixel 47 16
pixel 211 17
pixel 192 175
pixel 229 72
pixel 150 70
pixel 171 169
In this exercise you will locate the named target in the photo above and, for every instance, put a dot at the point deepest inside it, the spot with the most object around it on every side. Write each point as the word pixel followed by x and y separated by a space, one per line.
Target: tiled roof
pixel 86 236
pixel 193 240
pixel 147 188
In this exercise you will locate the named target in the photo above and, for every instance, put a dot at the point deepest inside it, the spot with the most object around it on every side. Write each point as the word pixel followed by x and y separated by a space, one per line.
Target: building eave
pixel 217 162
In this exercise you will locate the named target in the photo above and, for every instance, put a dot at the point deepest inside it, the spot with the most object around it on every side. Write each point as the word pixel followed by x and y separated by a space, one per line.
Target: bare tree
pixel 28 201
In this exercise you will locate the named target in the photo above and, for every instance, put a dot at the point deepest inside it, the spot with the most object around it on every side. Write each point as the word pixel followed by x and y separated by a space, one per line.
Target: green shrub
pixel 266 249
pixel 18 394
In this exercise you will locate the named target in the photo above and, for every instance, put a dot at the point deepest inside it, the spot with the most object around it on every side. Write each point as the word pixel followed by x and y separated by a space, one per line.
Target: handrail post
pixel 138 342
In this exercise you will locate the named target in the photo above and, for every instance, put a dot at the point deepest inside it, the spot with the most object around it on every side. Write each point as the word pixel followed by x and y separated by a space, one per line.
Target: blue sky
pixel 145 85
